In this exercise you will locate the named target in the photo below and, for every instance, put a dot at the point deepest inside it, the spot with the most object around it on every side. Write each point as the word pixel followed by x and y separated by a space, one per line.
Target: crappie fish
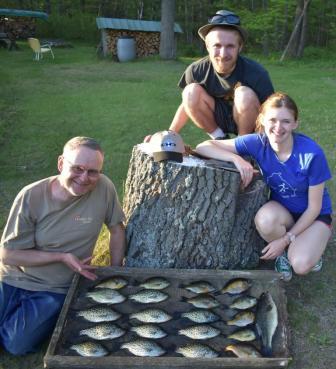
pixel 236 286
pixel 114 283
pixel 243 351
pixel 151 316
pixel 103 331
pixel 243 335
pixel 155 283
pixel 200 287
pixel 242 319
pixel 106 296
pixel 203 302
pixel 201 316
pixel 99 314
pixel 243 303
pixel 88 348
pixel 266 321
pixel 200 332
pixel 197 350
pixel 143 347
pixel 149 331
pixel 148 296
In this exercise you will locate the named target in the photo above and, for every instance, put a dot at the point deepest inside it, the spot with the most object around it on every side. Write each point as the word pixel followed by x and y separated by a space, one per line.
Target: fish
pixel 142 347
pixel 266 322
pixel 243 351
pixel 88 348
pixel 201 316
pixel 200 287
pixel 99 314
pixel 243 335
pixel 114 283
pixel 200 332
pixel 103 331
pixel 197 350
pixel 151 316
pixel 236 286
pixel 149 331
pixel 203 302
pixel 148 296
pixel 155 283
pixel 243 303
pixel 106 296
pixel 242 319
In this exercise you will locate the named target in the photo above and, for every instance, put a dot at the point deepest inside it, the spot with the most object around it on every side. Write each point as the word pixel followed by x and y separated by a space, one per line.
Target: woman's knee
pixel 265 222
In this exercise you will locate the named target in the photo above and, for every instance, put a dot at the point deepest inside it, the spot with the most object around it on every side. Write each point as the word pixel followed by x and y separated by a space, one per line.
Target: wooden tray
pixel 66 332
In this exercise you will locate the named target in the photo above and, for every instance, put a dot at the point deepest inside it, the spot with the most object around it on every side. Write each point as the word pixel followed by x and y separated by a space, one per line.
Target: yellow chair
pixel 39 49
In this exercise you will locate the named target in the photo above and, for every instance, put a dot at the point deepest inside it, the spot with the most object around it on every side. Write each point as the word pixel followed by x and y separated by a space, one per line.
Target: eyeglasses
pixel 79 170
pixel 225 19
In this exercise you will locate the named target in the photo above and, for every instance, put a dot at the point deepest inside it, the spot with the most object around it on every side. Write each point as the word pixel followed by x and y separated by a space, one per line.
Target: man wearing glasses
pixel 223 91
pixel 50 235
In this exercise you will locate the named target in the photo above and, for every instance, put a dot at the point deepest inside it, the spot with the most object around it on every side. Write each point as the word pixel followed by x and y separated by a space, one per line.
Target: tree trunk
pixel 190 215
pixel 304 28
pixel 167 39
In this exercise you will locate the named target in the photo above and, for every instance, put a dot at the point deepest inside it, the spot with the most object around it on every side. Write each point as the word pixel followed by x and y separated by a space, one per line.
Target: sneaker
pixel 317 267
pixel 282 265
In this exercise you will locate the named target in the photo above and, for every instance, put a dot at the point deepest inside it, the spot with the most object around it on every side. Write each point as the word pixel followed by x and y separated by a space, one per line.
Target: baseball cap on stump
pixel 167 145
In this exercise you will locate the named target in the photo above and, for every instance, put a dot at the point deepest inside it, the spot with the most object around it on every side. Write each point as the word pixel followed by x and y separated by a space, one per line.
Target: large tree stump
pixel 182 215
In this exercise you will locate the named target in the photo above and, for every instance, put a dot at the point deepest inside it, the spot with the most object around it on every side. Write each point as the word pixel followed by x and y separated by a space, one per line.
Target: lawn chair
pixel 39 49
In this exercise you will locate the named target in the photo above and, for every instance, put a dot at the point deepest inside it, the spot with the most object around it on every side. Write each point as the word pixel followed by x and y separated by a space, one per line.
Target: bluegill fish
pixel 91 349
pixel 142 347
pixel 114 283
pixel 149 331
pixel 200 332
pixel 200 287
pixel 99 314
pixel 106 296
pixel 155 283
pixel 243 303
pixel 243 351
pixel 243 335
pixel 242 319
pixel 151 316
pixel 197 350
pixel 203 302
pixel 266 321
pixel 201 316
pixel 236 286
pixel 103 331
pixel 148 296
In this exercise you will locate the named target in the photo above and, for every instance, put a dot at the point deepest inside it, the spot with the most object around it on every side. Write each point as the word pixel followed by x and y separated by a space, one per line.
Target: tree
pixel 167 39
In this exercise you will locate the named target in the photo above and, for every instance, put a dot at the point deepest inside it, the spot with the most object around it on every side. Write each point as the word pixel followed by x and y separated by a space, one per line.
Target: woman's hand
pixel 245 169
pixel 274 249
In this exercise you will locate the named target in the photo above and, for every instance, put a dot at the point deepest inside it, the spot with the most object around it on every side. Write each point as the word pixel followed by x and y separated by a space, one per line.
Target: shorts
pixel 324 218
pixel 224 116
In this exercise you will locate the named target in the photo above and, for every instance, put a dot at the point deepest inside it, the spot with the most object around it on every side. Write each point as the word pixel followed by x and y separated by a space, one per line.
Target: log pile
pixel 147 43
pixel 18 27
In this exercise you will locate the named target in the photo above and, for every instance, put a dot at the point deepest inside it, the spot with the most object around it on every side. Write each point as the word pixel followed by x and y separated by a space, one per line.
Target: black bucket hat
pixel 223 18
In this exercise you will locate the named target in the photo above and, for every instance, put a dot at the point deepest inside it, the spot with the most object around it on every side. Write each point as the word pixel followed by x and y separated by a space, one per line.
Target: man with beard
pixel 222 92
pixel 50 234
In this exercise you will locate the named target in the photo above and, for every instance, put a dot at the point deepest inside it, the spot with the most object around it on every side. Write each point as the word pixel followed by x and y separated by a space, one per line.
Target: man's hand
pixel 274 249
pixel 82 267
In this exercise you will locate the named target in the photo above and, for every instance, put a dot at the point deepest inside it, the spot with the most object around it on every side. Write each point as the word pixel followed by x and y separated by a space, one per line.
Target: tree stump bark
pixel 187 215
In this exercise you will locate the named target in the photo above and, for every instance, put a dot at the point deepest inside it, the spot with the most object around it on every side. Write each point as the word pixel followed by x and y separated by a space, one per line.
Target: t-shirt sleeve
pixel 19 232
pixel 248 145
pixel 114 212
pixel 187 77
pixel 319 170
pixel 264 87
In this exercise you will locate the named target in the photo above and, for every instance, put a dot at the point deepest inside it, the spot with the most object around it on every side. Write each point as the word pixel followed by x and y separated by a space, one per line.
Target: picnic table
pixel 7 41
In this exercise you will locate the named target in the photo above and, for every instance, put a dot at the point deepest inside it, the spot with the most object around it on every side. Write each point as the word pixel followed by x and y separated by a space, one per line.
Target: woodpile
pixel 18 27
pixel 147 43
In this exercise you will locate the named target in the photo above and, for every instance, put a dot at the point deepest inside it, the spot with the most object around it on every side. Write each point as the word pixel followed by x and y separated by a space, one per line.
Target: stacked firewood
pixel 18 27
pixel 147 43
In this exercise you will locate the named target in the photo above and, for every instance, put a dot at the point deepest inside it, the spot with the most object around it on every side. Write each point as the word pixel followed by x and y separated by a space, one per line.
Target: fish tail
pixel 267 351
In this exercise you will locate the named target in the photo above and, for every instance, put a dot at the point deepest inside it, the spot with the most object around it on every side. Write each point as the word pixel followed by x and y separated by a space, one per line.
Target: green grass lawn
pixel 43 104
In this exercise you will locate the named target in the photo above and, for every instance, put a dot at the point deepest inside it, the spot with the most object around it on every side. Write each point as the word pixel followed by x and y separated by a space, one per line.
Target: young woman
pixel 296 222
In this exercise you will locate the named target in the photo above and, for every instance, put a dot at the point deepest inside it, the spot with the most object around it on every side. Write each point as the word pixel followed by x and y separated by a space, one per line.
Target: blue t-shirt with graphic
pixel 289 180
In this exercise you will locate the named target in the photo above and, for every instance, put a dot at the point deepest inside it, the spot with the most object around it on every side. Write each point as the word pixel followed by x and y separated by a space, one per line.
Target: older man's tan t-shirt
pixel 38 222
